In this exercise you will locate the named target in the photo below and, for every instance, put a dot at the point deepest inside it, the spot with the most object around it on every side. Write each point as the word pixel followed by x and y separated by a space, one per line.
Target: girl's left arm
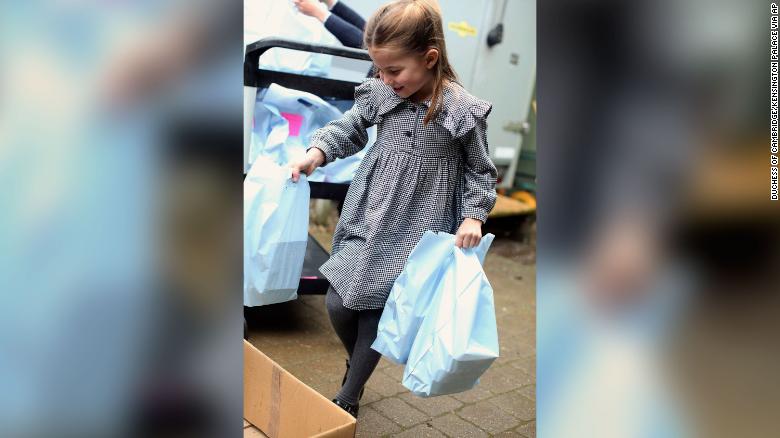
pixel 480 173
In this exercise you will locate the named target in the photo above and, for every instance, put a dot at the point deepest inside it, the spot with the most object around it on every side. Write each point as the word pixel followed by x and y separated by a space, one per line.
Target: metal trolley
pixel 311 281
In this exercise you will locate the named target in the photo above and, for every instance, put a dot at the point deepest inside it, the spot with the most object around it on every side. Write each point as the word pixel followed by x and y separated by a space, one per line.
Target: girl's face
pixel 410 75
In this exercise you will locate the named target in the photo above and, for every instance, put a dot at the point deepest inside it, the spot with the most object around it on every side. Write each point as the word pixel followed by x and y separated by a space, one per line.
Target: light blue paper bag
pixel 276 223
pixel 458 339
pixel 413 292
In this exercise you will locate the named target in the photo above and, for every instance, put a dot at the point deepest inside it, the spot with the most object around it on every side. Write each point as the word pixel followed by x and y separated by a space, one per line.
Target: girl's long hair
pixel 416 26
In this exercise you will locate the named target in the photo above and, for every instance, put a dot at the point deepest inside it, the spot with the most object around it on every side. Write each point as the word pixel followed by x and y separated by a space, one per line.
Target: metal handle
pixel 256 49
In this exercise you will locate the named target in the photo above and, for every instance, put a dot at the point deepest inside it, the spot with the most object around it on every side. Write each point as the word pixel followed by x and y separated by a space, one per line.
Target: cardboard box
pixel 252 432
pixel 281 406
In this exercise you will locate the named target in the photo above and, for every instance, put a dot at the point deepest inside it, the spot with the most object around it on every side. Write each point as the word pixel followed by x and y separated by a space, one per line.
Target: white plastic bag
pixel 276 223
pixel 458 339
pixel 414 290
pixel 280 19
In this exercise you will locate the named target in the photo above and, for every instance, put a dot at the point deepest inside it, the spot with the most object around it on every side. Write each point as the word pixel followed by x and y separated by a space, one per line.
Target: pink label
pixel 295 121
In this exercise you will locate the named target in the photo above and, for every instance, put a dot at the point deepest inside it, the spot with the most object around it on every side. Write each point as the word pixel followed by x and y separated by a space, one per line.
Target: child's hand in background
pixel 313 159
pixel 469 233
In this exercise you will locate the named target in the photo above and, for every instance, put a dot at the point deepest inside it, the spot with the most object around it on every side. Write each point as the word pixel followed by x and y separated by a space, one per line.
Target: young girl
pixel 428 170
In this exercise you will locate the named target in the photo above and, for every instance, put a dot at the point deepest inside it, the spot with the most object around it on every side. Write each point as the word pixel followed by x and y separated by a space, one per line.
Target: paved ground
pixel 299 337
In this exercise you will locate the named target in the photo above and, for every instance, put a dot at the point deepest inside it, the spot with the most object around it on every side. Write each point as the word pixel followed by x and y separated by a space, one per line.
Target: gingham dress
pixel 414 178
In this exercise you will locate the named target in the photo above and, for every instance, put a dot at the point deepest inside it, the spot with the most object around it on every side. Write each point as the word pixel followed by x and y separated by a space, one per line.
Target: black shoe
pixel 351 409
pixel 344 380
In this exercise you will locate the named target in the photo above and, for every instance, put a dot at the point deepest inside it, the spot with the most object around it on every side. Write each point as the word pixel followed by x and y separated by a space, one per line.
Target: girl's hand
pixel 313 159
pixel 311 8
pixel 469 233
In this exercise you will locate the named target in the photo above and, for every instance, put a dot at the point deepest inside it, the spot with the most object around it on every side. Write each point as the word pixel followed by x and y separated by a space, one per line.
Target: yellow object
pixel 463 28
pixel 506 206
pixel 525 197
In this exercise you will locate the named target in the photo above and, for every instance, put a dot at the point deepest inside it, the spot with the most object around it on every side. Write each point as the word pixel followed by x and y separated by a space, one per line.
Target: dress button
pixel 408 133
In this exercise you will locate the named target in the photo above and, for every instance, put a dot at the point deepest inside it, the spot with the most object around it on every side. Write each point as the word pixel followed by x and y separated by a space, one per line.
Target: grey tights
pixel 357 331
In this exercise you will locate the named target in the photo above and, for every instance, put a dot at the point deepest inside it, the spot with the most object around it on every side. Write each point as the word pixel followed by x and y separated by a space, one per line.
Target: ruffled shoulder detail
pixel 462 112
pixel 375 99
pixel 481 109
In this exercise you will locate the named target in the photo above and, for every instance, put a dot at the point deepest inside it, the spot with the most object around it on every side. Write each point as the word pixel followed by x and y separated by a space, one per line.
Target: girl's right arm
pixel 342 137
pixel 313 159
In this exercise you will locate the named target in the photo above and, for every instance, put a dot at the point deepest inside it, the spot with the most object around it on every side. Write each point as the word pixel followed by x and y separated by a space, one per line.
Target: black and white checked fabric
pixel 414 178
